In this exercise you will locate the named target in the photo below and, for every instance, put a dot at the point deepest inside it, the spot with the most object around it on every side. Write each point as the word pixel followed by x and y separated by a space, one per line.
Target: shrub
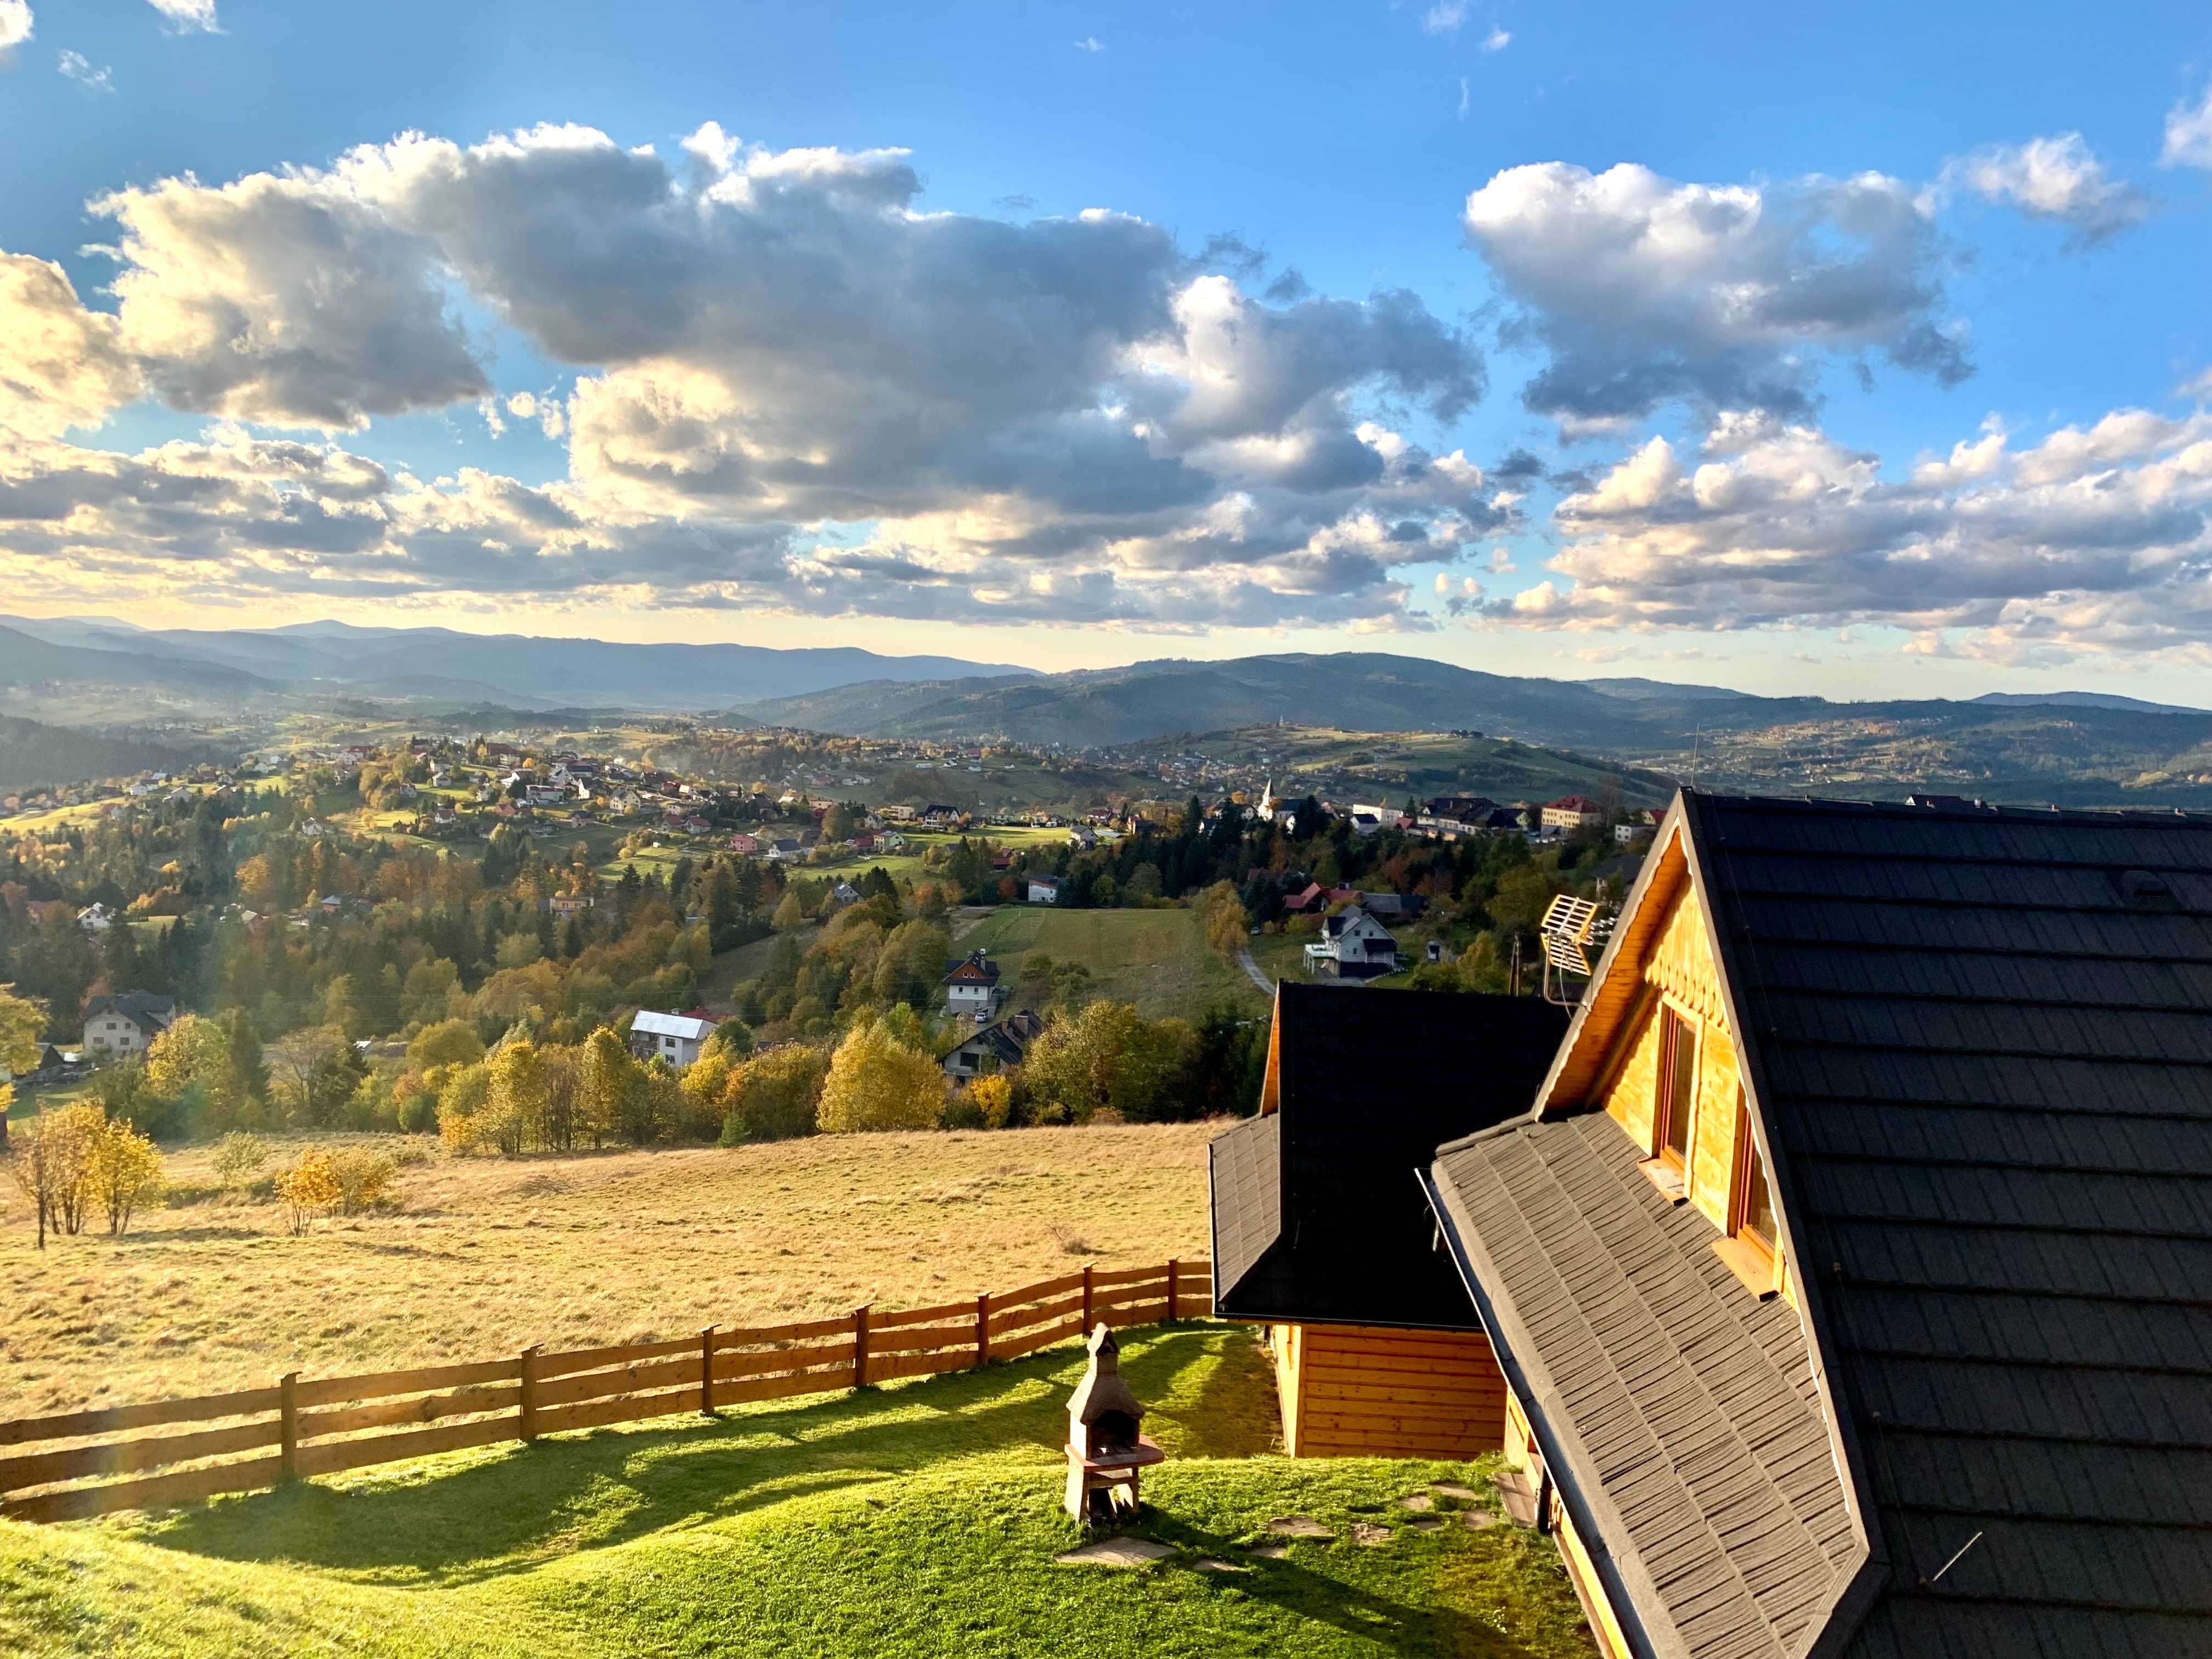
pixel 238 1154
pixel 418 1112
pixel 307 1186
pixel 362 1175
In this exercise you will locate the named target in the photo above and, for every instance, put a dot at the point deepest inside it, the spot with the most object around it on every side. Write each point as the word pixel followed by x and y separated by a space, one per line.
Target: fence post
pixel 530 1393
pixel 982 1330
pixel 707 1371
pixel 1174 1312
pixel 860 1347
pixel 1086 1301
pixel 288 1424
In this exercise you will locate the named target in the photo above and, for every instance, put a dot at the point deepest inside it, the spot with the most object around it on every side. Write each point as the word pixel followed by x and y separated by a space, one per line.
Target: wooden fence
pixel 305 1426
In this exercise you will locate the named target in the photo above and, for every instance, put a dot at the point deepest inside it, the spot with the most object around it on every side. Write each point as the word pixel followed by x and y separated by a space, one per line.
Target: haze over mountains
pixel 437 663
pixel 2075 746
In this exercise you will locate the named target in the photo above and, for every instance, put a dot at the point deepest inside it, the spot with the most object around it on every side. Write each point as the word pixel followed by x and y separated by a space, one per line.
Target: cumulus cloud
pixel 1090 43
pixel 2096 538
pixel 76 66
pixel 14 22
pixel 187 14
pixel 1071 419
pixel 60 365
pixel 1445 16
pixel 1643 290
pixel 1497 40
pixel 2189 133
pixel 2058 180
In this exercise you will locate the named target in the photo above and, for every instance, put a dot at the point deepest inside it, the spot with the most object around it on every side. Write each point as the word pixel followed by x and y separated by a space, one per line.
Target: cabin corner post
pixel 529 1402
pixel 860 1347
pixel 287 1426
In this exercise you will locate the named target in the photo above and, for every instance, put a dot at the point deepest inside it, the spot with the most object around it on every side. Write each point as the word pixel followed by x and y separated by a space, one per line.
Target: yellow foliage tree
pixel 122 1171
pixel 877 1082
pixel 50 1161
pixel 308 1187
pixel 992 1097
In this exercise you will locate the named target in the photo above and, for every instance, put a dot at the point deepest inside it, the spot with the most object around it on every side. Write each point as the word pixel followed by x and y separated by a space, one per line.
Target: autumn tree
pixel 192 1057
pixel 122 1171
pixel 603 1086
pixel 519 1095
pixel 50 1161
pixel 877 1081
pixel 775 1094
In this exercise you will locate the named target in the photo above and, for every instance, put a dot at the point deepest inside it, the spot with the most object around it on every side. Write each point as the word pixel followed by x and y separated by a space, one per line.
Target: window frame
pixel 1673 1017
pixel 1753 1258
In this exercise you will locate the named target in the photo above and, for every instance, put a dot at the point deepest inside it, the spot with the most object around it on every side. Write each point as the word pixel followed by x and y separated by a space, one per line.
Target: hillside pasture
pixel 1157 959
pixel 919 1519
pixel 481 1256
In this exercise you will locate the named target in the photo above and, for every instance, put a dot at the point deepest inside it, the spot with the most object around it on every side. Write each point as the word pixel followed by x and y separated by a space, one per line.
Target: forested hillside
pixel 34 756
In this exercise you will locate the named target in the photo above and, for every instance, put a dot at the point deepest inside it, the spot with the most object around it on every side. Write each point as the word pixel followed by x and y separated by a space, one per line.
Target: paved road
pixel 1252 972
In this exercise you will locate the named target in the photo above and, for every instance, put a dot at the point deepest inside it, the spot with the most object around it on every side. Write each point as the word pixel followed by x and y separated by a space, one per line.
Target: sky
pixel 1856 350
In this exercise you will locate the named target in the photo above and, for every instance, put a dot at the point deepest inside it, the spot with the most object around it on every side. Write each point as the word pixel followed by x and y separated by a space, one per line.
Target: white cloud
pixel 2198 385
pixel 1462 98
pixel 2096 539
pixel 2055 178
pixel 1644 290
pixel 74 66
pixel 1063 420
pixel 187 14
pixel 1089 43
pixel 2189 133
pixel 1497 40
pixel 1445 16
pixel 60 365
pixel 14 22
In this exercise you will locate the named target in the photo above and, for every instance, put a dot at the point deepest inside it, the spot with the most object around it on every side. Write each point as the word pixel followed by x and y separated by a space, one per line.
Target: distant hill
pixel 2081 700
pixel 34 755
pixel 26 660
pixel 440 664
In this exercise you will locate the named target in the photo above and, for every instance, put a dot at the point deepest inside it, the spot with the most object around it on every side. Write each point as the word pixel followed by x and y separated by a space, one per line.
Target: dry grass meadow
pixel 480 1257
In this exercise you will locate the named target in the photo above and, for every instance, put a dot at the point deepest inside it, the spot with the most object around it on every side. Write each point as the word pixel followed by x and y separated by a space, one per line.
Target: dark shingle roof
pixel 1317 1212
pixel 1982 1063
pixel 1686 1409
pixel 143 1007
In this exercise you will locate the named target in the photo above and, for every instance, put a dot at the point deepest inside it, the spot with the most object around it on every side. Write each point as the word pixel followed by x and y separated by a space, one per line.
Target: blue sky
pixel 1675 394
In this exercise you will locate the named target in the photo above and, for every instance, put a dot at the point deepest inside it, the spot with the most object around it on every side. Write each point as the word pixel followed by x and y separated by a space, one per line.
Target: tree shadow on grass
pixel 470 1517
pixel 1297 1589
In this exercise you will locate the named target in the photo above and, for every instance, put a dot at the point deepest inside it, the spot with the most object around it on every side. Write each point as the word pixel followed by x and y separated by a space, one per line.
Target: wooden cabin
pixel 1319 1233
pixel 1847 1275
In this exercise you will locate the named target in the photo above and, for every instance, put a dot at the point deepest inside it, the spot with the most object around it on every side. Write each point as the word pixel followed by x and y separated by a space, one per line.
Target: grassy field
pixel 482 1256
pixel 1156 959
pixel 916 1520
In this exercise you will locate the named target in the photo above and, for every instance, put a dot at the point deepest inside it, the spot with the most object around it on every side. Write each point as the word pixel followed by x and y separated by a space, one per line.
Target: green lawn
pixel 916 1520
pixel 1156 959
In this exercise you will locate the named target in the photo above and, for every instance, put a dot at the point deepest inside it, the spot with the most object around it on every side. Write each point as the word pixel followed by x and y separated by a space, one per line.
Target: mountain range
pixel 438 663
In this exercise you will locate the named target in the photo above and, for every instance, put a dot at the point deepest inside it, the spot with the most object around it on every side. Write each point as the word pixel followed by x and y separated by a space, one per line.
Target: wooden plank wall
pixel 1364 1391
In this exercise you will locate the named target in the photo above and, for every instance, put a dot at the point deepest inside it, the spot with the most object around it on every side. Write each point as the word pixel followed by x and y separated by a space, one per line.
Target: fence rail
pixel 321 1425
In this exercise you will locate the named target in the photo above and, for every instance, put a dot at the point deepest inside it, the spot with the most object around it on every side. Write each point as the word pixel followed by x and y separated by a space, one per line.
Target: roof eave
pixel 1858 1596
pixel 1628 1585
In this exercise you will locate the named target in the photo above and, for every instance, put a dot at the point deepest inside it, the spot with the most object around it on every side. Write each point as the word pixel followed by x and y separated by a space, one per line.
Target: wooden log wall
pixel 1367 1391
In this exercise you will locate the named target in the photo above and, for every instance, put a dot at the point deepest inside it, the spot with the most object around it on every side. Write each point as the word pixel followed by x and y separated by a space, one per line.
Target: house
pixel 95 918
pixel 1308 897
pixel 125 1024
pixel 1352 946
pixel 1376 818
pixel 676 1038
pixel 1318 1230
pixel 1571 812
pixel 744 843
pixel 1045 890
pixel 569 904
pixel 939 817
pixel 785 850
pixel 971 985
pixel 996 1045
pixel 845 893
pixel 1393 907
pixel 1845 1273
